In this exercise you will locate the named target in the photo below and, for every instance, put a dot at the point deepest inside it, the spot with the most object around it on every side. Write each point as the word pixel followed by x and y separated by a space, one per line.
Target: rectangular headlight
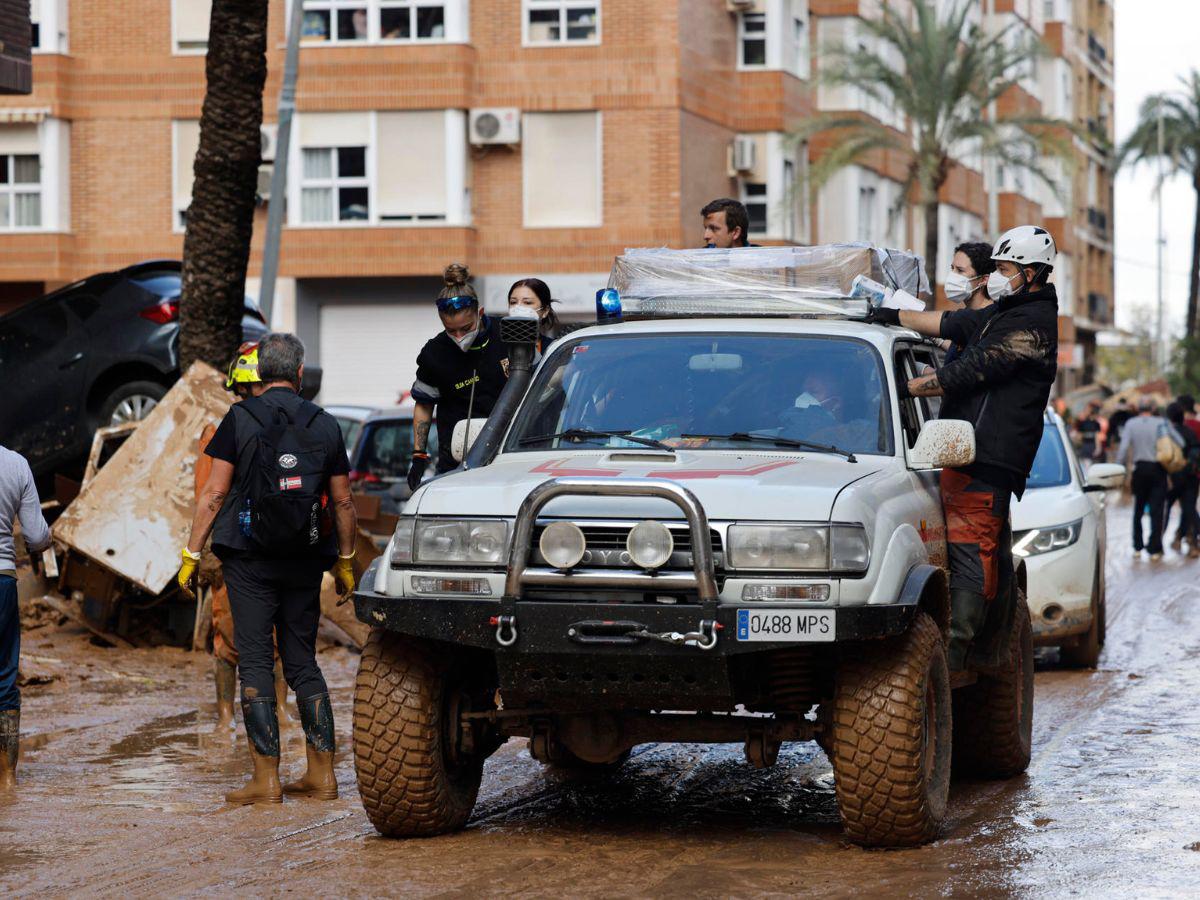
pixel 1042 540
pixel 792 547
pixel 402 541
pixel 848 549
pixel 479 542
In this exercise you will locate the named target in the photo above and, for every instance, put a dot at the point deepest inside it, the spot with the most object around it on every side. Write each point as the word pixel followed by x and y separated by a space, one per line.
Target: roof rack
pixel 826 281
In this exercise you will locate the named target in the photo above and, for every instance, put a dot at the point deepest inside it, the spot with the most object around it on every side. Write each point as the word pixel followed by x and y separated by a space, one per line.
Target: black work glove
pixel 883 315
pixel 416 470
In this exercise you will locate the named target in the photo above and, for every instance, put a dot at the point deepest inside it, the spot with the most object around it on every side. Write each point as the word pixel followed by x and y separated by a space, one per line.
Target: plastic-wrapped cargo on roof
pixel 815 281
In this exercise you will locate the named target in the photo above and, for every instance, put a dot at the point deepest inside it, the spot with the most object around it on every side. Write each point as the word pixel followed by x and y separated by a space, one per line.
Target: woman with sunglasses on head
pixel 460 372
pixel 535 293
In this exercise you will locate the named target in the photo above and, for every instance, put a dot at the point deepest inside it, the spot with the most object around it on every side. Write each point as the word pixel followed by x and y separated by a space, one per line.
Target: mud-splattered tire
pixel 891 739
pixel 409 783
pixel 1084 651
pixel 993 718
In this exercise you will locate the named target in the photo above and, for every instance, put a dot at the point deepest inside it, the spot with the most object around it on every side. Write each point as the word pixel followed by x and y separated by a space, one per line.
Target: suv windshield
pixel 1050 467
pixel 707 392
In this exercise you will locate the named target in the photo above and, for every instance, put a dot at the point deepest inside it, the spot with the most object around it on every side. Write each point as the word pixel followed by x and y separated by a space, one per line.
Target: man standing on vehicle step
pixel 278 505
pixel 1000 383
pixel 18 501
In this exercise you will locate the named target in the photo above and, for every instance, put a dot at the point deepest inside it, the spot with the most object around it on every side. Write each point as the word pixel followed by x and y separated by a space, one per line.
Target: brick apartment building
pixel 522 137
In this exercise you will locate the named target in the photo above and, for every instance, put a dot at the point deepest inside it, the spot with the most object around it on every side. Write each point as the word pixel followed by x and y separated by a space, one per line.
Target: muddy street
pixel 122 777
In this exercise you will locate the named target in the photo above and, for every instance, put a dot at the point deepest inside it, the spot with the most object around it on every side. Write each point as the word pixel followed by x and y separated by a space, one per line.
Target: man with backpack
pixel 278 506
pixel 1146 445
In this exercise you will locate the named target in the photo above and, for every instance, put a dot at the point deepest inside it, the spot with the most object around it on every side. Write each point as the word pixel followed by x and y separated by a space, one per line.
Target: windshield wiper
pixel 777 441
pixel 583 433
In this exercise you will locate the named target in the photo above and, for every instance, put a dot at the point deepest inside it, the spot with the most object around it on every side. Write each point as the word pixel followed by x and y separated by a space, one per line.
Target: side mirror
pixel 943 443
pixel 1104 477
pixel 465 434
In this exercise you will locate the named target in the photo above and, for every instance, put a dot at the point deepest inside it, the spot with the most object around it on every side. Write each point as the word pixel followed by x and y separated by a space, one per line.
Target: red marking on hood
pixel 559 469
pixel 722 473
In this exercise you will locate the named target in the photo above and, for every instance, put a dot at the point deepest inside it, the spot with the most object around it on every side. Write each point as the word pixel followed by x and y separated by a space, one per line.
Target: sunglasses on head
pixel 454 304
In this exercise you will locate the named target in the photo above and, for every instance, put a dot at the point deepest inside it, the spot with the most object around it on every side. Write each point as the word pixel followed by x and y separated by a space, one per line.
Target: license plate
pixel 807 625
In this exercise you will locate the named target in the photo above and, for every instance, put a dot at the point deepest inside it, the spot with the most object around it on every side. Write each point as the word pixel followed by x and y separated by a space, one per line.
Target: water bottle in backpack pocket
pixel 286 480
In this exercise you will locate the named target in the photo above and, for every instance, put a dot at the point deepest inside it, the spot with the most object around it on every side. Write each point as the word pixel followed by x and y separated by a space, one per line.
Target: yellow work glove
pixel 343 575
pixel 187 573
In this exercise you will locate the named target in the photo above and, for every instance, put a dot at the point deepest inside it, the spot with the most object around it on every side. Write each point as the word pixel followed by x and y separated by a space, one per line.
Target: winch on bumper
pixel 577 654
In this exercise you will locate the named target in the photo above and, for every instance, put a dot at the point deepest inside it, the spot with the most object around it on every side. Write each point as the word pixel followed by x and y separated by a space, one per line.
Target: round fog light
pixel 650 544
pixel 562 545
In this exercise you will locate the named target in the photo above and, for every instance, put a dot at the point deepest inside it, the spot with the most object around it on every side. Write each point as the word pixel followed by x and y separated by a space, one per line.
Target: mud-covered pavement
pixel 122 778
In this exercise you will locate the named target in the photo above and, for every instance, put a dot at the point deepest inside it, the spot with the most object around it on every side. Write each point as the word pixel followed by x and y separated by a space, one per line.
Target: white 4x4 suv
pixel 693 530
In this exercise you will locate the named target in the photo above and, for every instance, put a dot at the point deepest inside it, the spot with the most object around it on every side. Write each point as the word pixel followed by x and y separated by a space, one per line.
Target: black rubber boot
pixel 10 732
pixel 319 782
pixel 262 733
pixel 968 612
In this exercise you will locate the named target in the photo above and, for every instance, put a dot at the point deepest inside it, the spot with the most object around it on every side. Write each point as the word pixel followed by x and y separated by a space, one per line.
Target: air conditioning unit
pixel 743 154
pixel 262 190
pixel 497 125
pixel 269 137
pixel 741 6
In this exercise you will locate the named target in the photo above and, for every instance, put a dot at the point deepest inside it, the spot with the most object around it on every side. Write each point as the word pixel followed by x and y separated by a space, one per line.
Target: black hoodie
pixel 1001 383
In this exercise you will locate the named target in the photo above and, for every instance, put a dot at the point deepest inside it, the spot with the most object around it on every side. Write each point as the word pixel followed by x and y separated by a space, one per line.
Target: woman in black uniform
pixel 460 372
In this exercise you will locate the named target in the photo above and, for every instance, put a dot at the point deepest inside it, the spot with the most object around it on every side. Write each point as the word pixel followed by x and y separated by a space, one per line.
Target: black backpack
pixel 285 479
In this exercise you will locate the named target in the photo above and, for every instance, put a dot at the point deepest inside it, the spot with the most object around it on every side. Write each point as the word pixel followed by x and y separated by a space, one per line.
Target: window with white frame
pixel 752 40
pixel 754 198
pixel 35 21
pixel 380 168
pixel 797 33
pixel 866 211
pixel 562 165
pixel 381 21
pixel 189 25
pixel 20 191
pixel 333 185
pixel 48 26
pixel 185 142
pixel 561 22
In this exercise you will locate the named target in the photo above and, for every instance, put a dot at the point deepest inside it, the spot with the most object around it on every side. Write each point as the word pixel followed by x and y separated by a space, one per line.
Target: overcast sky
pixel 1156 43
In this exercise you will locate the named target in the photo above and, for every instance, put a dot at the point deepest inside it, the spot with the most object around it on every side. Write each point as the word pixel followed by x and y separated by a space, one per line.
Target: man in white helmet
pixel 1000 383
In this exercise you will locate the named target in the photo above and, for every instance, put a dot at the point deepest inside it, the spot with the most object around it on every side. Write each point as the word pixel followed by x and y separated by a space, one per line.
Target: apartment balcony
pixel 1096 50
pixel 1097 220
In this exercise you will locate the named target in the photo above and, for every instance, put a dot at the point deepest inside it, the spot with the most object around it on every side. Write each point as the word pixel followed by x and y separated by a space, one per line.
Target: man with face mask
pixel 460 372
pixel 1000 383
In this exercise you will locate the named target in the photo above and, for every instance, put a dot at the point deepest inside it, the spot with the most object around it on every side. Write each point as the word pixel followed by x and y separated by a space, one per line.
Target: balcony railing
pixel 1096 49
pixel 1098 308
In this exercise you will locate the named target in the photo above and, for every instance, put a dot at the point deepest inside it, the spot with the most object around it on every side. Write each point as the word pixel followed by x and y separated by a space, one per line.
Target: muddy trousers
pixel 1149 483
pixel 281 599
pixel 10 644
pixel 979 544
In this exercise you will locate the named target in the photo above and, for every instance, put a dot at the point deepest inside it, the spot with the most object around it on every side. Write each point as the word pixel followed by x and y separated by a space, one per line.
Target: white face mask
pixel 465 342
pixel 958 287
pixel 999 287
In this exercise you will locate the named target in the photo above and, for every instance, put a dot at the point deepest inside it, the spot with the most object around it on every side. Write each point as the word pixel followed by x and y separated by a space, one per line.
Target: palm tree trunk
pixel 220 221
pixel 1194 281
pixel 931 242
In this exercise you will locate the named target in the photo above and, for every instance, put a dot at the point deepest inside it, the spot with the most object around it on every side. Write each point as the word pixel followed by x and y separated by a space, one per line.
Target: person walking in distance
pixel 278 506
pixel 18 502
pixel 1185 484
pixel 1139 449
pixel 1001 383
pixel 1088 433
pixel 460 372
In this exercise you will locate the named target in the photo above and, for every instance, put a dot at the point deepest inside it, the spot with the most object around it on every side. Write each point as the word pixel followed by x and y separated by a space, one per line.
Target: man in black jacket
pixel 1000 383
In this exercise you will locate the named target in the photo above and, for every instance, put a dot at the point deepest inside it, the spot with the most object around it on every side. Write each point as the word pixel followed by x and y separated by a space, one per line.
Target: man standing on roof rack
pixel 1000 382
pixel 726 224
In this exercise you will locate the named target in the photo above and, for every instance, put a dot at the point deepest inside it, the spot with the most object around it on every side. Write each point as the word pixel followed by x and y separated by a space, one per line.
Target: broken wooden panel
pixel 134 515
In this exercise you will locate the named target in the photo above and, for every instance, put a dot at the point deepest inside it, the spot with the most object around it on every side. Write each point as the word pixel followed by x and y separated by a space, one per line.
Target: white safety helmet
pixel 1026 245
